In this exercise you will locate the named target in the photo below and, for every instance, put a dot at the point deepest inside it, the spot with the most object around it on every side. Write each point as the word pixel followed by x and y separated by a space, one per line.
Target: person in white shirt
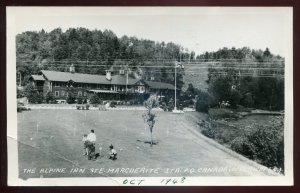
pixel 92 137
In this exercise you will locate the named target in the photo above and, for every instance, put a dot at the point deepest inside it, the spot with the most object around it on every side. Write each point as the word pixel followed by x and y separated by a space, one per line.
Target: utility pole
pixel 176 65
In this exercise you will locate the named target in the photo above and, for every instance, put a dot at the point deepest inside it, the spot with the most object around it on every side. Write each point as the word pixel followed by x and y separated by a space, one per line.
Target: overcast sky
pixel 199 28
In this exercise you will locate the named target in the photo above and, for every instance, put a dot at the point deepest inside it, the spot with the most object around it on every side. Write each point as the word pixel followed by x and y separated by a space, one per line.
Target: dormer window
pixel 72 69
pixel 122 72
pixel 56 84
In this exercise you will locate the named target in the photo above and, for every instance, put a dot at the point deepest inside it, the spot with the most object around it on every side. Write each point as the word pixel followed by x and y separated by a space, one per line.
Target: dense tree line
pixel 94 51
pixel 251 78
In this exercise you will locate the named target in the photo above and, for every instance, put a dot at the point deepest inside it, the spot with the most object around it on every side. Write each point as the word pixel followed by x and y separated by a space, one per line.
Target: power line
pixel 159 66
pixel 163 59
pixel 171 69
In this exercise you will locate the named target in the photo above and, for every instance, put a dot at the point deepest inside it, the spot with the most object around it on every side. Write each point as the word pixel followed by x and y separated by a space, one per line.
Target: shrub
pixel 163 106
pixel 79 100
pixel 39 98
pixel 113 104
pixel 265 144
pixel 203 101
pixel 221 113
pixel 36 98
pixel 201 106
pixel 94 99
pixel 209 132
pixel 49 97
pixel 20 93
pixel 235 98
pixel 70 98
pixel 208 129
pixel 241 108
pixel 187 103
pixel 171 104
pixel 247 100
pixel 243 146
pixel 33 95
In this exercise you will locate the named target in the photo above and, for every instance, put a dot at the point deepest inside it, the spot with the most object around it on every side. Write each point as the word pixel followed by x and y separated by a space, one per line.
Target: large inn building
pixel 107 87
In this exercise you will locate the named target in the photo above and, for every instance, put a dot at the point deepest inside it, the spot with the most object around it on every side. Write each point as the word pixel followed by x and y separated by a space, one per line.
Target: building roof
pixel 97 79
pixel 76 77
pixel 87 78
pixel 121 80
pixel 160 85
pixel 37 77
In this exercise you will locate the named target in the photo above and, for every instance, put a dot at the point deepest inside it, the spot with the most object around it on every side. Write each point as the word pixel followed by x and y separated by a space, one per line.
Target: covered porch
pixel 111 95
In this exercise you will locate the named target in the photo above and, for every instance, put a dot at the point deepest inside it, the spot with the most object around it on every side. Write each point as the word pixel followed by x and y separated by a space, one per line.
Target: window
pixel 62 93
pixel 79 93
pixel 56 84
pixel 57 93
pixel 84 94
pixel 79 85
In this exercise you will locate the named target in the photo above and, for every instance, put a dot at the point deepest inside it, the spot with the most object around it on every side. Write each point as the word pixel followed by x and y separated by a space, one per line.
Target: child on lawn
pixel 84 140
pixel 112 153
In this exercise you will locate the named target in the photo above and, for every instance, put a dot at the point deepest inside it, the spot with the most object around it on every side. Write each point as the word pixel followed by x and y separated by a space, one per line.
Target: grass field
pixel 52 139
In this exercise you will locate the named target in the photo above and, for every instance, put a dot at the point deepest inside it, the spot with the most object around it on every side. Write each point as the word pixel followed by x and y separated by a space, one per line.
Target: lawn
pixel 51 139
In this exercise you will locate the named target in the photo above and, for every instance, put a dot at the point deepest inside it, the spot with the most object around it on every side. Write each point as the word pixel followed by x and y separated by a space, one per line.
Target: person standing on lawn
pixel 85 148
pixel 91 138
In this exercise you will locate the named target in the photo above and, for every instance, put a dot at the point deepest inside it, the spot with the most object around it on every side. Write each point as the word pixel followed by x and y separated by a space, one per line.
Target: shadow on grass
pixel 148 142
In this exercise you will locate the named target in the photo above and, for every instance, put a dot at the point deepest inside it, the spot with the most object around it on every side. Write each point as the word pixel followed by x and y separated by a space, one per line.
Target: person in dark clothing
pixel 112 153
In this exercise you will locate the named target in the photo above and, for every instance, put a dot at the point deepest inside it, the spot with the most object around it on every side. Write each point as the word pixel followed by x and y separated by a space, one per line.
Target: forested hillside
pixel 253 78
pixel 96 51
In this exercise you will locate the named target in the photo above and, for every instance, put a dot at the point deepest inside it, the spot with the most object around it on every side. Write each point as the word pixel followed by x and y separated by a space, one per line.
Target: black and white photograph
pixel 139 96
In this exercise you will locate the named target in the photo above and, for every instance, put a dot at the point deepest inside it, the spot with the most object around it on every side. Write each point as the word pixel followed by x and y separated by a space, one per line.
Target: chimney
pixel 108 74
pixel 72 69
